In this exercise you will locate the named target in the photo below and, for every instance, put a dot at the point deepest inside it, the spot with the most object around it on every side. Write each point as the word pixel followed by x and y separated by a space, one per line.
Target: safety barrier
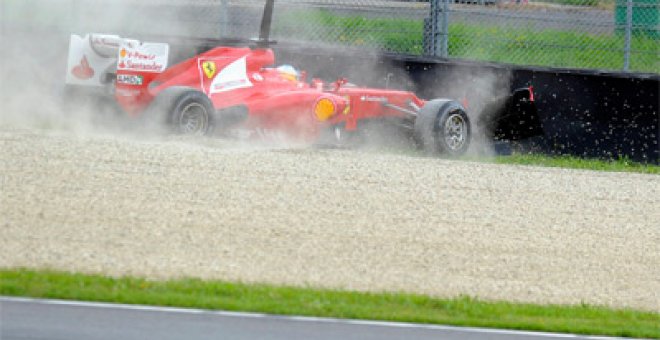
pixel 584 113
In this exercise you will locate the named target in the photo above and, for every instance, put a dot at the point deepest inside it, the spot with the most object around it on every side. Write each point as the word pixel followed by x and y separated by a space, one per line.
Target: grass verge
pixel 461 311
pixel 621 164
pixel 572 162
pixel 496 43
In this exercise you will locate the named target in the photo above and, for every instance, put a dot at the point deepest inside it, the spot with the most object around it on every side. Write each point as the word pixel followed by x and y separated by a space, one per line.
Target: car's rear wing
pixel 96 59
pixel 512 117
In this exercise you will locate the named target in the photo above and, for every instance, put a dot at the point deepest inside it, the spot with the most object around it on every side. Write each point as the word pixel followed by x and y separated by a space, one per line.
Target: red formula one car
pixel 237 91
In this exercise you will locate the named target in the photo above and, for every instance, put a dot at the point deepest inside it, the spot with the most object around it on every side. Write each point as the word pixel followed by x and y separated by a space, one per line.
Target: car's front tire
pixel 443 127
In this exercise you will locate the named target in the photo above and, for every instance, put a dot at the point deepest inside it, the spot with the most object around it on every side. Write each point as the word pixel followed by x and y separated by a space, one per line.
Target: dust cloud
pixel 473 85
pixel 35 38
pixel 476 88
pixel 335 219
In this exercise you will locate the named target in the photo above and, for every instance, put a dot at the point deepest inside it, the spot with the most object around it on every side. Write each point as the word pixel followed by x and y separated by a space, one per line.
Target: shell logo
pixel 123 53
pixel 324 109
pixel 83 70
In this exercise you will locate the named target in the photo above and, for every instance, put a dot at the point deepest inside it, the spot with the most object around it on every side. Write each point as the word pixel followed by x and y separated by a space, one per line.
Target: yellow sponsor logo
pixel 209 69
pixel 324 109
pixel 347 109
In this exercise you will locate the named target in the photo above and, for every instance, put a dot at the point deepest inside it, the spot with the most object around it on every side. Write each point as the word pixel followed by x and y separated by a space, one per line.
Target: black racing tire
pixel 183 110
pixel 443 127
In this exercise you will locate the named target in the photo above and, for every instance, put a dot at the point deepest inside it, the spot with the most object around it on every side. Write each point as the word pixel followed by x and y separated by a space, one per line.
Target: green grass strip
pixel 621 164
pixel 572 162
pixel 496 43
pixel 461 311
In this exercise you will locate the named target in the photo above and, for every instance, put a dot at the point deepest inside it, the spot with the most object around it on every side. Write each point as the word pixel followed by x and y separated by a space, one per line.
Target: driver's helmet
pixel 288 72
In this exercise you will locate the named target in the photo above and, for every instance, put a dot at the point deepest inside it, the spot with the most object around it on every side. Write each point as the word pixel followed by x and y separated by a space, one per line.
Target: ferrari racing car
pixel 237 91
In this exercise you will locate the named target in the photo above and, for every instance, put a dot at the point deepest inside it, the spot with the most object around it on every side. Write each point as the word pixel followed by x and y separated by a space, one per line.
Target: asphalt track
pixel 55 319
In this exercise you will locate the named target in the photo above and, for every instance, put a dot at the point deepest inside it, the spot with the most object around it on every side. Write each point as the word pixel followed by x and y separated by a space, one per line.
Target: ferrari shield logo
pixel 209 69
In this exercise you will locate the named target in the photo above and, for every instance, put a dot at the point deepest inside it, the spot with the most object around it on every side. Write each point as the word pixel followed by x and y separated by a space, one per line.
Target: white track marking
pixel 102 305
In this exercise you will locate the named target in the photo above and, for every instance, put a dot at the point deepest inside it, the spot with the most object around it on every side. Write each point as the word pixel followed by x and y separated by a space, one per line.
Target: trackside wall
pixel 584 113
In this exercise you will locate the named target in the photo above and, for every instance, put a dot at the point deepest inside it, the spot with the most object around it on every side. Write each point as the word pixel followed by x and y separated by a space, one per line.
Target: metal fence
pixel 600 34
pixel 594 34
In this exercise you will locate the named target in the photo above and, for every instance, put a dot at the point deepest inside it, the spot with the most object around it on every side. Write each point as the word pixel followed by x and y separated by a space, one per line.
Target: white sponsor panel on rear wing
pixel 94 59
pixel 91 58
pixel 142 57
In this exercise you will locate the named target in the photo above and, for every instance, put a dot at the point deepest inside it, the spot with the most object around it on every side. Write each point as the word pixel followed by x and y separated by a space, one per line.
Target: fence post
pixel 431 29
pixel 74 23
pixel 3 30
pixel 627 42
pixel 437 29
pixel 224 17
pixel 444 33
pixel 3 18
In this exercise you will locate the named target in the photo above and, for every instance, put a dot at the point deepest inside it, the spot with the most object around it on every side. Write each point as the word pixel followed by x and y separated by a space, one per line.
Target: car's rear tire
pixel 185 111
pixel 443 127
